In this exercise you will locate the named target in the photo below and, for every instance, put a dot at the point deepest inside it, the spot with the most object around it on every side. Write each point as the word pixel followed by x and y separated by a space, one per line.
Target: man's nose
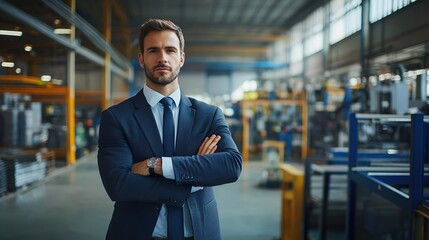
pixel 162 57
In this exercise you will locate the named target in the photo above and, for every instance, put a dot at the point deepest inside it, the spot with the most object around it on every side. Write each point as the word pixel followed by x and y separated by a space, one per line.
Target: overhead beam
pixel 49 32
pixel 225 49
pixel 231 29
pixel 235 37
pixel 120 13
pixel 87 29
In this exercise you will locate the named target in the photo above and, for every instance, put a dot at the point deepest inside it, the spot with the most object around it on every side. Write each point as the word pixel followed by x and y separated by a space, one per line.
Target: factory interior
pixel 326 100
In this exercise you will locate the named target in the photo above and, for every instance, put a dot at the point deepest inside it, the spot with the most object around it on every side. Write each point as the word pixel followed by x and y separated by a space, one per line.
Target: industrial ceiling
pixel 215 30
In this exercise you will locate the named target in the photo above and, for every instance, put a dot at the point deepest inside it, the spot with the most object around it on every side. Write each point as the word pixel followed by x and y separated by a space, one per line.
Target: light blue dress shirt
pixel 153 99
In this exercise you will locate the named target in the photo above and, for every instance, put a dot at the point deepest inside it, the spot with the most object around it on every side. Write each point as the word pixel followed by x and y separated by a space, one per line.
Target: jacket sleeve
pixel 223 166
pixel 115 159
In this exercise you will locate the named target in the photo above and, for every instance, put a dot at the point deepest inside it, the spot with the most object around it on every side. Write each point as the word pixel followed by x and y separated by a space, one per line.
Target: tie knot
pixel 166 101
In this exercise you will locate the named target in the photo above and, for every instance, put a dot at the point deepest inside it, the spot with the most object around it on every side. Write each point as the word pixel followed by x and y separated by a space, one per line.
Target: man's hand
pixel 141 168
pixel 209 145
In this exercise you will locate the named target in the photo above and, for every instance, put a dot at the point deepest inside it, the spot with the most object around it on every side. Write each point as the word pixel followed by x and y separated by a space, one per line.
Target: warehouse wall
pixel 192 82
pixel 314 66
pixel 211 84
pixel 345 52
pixel 406 27
pixel 90 80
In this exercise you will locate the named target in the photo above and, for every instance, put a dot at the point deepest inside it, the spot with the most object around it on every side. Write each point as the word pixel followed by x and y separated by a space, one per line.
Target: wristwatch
pixel 151 164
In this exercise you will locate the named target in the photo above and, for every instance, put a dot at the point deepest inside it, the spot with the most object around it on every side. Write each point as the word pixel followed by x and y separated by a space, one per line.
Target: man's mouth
pixel 162 68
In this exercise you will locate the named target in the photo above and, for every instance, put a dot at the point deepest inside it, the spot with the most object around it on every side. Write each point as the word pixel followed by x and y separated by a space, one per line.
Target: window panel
pixel 382 8
pixel 345 19
pixel 296 43
pixel 313 27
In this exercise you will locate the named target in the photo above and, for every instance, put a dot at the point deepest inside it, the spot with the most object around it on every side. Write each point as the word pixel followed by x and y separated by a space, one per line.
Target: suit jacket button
pixel 156 209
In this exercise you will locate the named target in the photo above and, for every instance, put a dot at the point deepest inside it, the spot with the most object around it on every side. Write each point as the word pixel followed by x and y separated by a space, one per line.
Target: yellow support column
pixel 304 134
pixel 71 141
pixel 292 202
pixel 107 11
pixel 245 142
pixel 70 102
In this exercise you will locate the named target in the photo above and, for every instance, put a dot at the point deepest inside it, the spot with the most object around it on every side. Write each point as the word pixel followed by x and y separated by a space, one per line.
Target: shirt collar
pixel 153 97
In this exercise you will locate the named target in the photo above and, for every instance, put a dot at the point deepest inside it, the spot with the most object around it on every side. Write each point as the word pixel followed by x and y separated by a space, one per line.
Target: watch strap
pixel 152 171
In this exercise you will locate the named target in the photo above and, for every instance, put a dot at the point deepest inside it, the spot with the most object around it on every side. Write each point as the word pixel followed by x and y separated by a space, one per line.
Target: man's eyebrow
pixel 171 47
pixel 151 48
pixel 155 48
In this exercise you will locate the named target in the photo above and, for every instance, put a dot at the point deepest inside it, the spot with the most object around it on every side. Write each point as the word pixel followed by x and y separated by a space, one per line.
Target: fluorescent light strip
pixel 46 78
pixel 8 64
pixel 62 31
pixel 11 33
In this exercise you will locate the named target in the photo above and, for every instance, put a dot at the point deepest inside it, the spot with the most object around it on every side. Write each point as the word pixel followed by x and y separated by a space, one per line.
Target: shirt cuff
pixel 195 189
pixel 167 168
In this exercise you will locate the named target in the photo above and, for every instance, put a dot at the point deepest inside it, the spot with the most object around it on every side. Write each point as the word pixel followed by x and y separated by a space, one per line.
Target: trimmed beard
pixel 162 81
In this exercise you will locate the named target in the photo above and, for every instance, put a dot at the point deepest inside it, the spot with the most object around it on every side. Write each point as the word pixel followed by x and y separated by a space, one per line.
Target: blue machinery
pixel 382 179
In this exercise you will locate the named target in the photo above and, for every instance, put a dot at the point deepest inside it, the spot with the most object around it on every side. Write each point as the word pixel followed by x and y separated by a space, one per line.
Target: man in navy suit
pixel 138 176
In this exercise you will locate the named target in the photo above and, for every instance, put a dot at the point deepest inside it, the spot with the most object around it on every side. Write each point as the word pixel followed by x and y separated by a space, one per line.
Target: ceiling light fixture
pixel 57 81
pixel 46 78
pixel 8 64
pixel 28 48
pixel 62 31
pixel 11 33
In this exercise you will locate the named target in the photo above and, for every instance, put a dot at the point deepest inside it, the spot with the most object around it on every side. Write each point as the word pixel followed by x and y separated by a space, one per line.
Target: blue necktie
pixel 174 214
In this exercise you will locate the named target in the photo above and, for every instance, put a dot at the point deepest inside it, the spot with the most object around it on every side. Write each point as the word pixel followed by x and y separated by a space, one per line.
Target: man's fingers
pixel 200 150
pixel 213 145
pixel 207 144
pixel 207 147
pixel 213 149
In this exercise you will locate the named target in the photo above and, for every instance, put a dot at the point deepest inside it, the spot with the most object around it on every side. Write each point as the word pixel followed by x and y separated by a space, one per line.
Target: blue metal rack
pixel 337 164
pixel 381 181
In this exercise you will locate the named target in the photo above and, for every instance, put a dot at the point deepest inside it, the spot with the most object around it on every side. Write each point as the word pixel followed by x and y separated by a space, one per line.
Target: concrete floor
pixel 72 204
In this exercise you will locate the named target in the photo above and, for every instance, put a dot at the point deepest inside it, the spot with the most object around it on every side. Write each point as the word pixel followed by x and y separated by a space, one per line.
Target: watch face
pixel 151 163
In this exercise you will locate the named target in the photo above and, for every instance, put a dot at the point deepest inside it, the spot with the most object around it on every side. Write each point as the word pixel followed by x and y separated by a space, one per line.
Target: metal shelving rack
pixel 381 181
pixel 46 92
pixel 250 105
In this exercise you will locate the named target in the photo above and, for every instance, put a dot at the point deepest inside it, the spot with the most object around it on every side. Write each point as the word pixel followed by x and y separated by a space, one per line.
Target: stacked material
pixel 3 178
pixel 23 168
pixel 9 128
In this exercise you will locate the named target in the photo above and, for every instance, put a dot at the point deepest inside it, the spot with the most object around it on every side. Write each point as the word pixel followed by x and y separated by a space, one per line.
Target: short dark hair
pixel 160 25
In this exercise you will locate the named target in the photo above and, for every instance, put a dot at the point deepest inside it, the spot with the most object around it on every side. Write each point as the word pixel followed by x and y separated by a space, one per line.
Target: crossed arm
pixel 208 146
pixel 217 161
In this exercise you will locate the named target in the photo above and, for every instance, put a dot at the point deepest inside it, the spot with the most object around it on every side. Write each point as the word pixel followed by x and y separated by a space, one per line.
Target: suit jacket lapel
pixel 185 125
pixel 146 121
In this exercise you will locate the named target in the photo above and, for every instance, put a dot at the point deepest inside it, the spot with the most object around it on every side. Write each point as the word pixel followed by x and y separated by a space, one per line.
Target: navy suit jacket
pixel 128 134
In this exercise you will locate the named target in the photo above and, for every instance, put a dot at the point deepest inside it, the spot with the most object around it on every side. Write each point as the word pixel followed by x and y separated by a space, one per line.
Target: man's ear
pixel 182 59
pixel 141 61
